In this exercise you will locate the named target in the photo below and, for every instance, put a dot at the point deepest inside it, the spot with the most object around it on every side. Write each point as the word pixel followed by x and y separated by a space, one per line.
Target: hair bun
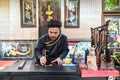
pixel 54 23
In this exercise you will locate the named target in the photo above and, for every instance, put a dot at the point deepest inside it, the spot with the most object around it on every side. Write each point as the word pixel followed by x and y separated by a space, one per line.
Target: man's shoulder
pixel 63 36
pixel 43 37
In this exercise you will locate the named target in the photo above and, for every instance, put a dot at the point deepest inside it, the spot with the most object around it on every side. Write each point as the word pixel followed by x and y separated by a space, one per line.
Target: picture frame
pixel 28 8
pixel 110 6
pixel 17 49
pixel 48 9
pixel 71 13
pixel 114 21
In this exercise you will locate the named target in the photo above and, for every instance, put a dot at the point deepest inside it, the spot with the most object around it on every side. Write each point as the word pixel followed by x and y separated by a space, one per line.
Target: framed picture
pixel 110 6
pixel 48 9
pixel 27 13
pixel 114 24
pixel 71 13
pixel 16 49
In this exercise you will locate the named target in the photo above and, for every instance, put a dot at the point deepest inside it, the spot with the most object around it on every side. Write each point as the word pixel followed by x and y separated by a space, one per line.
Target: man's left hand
pixel 58 60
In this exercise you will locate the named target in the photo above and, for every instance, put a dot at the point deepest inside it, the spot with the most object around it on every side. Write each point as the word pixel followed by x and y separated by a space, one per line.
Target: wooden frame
pixel 28 13
pixel 115 19
pixel 110 6
pixel 48 9
pixel 17 49
pixel 71 13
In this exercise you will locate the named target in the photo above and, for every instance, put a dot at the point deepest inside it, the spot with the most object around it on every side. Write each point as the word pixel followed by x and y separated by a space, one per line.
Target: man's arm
pixel 65 48
pixel 38 50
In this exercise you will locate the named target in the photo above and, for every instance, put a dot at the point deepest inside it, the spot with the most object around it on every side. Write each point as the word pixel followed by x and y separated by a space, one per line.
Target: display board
pixel 16 49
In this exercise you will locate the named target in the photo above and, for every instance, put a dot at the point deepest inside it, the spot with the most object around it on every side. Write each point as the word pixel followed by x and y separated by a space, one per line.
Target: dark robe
pixel 51 49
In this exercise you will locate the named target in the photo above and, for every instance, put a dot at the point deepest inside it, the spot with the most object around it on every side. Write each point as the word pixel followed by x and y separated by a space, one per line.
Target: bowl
pixel 67 60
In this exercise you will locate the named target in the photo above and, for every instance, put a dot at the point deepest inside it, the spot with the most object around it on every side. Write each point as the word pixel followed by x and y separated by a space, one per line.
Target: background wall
pixel 4 18
pixel 10 27
pixel 90 16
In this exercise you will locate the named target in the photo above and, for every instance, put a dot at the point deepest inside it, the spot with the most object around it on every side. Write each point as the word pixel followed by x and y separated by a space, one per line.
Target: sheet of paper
pixel 1 68
pixel 71 64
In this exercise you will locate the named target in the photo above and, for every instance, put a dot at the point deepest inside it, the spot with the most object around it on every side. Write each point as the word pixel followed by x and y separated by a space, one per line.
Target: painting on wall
pixel 111 6
pixel 114 24
pixel 27 13
pixel 71 13
pixel 16 49
pixel 49 9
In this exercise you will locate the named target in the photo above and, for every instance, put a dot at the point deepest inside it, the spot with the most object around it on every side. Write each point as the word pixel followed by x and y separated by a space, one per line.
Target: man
pixel 52 47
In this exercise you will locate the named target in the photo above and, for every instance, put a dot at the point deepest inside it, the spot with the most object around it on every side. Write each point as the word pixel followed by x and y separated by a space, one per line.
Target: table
pixel 33 72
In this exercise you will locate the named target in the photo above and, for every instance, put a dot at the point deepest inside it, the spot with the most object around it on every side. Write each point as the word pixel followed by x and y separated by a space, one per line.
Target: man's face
pixel 53 33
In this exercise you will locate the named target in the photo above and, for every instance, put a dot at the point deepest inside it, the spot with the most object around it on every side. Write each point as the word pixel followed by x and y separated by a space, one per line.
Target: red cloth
pixel 5 63
pixel 71 43
pixel 100 73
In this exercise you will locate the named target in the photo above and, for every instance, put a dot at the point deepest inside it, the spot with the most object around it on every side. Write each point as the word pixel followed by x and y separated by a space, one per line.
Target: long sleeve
pixel 65 49
pixel 38 50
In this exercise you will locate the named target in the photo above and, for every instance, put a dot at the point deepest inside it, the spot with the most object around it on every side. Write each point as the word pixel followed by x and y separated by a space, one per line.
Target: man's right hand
pixel 43 60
